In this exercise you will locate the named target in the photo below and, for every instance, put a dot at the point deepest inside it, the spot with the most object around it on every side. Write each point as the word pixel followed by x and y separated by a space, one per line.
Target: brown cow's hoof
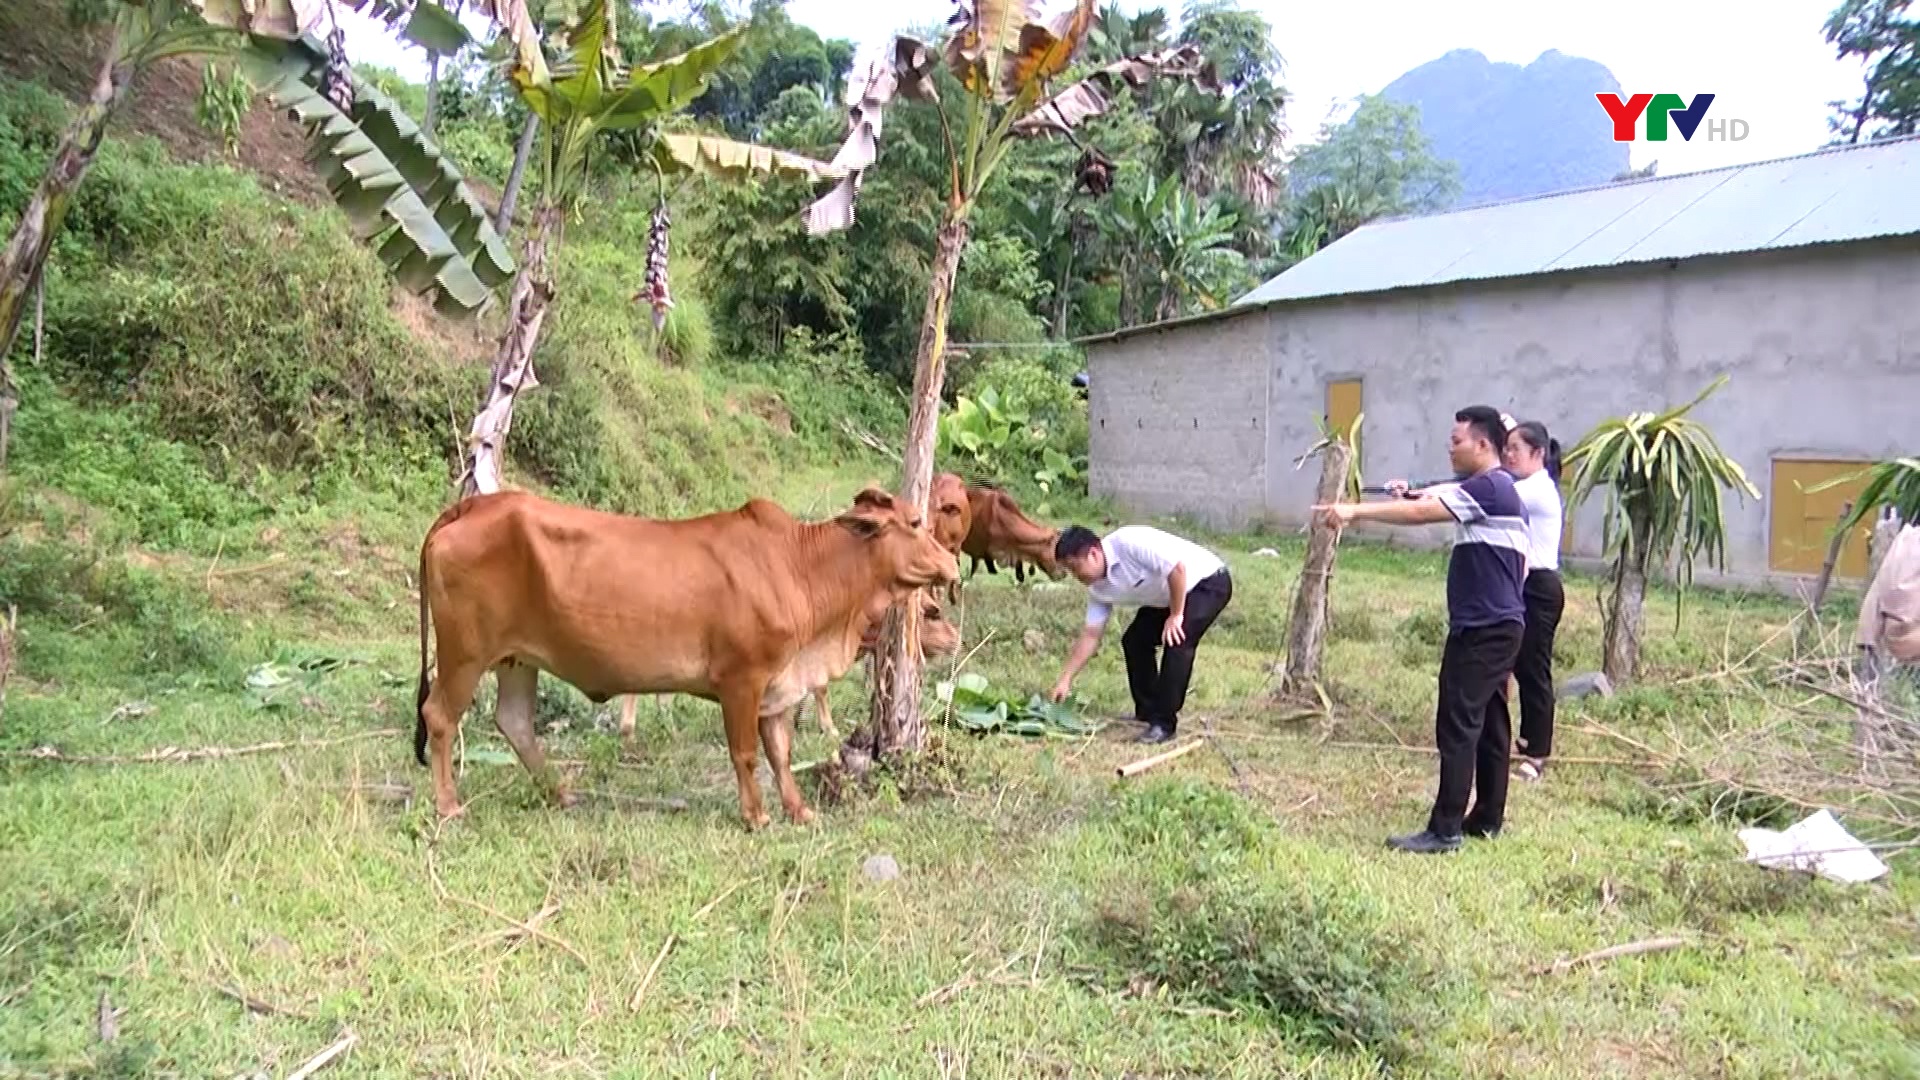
pixel 449 808
pixel 801 816
pixel 758 821
pixel 566 799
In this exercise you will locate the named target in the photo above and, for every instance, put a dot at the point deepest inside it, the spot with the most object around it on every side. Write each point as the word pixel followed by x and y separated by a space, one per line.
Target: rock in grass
pixel 881 868
pixel 1590 684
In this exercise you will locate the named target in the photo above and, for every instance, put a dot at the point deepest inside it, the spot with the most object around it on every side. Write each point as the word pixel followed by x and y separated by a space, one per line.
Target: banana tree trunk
pixel 1620 657
pixel 894 721
pixel 503 219
pixel 25 256
pixel 527 304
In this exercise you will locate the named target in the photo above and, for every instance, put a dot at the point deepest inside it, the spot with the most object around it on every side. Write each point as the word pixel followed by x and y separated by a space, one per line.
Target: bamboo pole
pixel 1137 767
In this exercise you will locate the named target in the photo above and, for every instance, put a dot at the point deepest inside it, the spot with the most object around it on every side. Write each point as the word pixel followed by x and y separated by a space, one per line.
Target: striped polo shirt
pixel 1487 569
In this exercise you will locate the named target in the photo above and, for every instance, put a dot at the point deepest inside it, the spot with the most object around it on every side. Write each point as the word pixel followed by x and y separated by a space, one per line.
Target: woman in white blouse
pixel 1532 457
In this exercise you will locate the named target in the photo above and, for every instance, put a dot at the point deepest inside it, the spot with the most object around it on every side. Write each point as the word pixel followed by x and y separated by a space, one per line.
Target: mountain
pixel 1516 130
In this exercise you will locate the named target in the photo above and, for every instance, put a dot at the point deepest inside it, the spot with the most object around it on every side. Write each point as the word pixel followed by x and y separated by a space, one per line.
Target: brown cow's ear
pixel 861 525
pixel 874 497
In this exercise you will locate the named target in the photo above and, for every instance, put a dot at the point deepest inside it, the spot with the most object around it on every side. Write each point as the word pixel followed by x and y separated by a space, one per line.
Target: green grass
pixel 1074 900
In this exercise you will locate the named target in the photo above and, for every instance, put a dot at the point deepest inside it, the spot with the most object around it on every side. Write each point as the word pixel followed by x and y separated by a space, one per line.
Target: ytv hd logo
pixel 1662 107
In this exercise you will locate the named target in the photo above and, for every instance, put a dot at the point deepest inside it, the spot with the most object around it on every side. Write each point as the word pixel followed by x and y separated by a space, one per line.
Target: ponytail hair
pixel 1535 434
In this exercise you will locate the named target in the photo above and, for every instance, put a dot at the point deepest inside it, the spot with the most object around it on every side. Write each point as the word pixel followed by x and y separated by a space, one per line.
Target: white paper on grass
pixel 1819 845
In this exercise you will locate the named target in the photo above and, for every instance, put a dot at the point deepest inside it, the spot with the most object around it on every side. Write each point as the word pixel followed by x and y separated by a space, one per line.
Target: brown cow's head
pixel 938 637
pixel 900 541
pixel 952 511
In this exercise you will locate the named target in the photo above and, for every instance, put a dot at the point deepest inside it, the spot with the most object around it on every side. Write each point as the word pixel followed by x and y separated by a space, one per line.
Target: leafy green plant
pixel 998 440
pixel 981 431
pixel 1319 963
pixel 1894 484
pixel 977 708
pixel 222 105
pixel 1663 473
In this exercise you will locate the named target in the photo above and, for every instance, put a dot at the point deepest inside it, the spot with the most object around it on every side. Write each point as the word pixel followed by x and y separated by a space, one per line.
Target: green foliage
pixel 1376 164
pixel 687 337
pixel 223 104
pixel 67 567
pixel 1017 422
pixel 980 710
pixel 1319 961
pixel 1893 485
pixel 1881 35
pixel 282 353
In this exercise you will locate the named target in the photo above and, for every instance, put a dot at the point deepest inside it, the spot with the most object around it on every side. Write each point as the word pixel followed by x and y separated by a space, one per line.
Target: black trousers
pixel 1160 685
pixel 1471 726
pixel 1546 599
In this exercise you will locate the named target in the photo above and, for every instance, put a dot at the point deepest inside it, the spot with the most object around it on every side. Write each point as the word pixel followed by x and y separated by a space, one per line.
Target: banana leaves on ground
pixel 979 709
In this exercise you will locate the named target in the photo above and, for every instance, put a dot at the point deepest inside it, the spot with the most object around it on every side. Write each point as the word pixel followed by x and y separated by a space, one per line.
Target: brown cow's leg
pixel 740 712
pixel 519 686
pixel 445 705
pixel 776 734
pixel 826 715
pixel 628 703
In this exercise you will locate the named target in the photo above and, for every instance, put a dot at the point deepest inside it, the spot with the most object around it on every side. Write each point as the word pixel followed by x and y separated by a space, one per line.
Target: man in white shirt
pixel 1180 588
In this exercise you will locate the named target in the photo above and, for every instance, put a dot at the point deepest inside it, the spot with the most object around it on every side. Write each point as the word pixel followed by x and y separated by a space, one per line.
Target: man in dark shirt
pixel 1486 613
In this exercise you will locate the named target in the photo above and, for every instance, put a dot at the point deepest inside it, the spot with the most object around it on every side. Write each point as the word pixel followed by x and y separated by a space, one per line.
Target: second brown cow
pixel 1000 531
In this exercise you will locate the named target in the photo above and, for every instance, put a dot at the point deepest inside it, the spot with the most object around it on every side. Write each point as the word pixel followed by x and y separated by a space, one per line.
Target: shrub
pixel 1316 961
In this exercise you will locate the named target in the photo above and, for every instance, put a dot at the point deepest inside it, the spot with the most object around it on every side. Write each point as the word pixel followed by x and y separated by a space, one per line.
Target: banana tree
pixel 1005 59
pixel 391 180
pixel 1663 473
pixel 588 92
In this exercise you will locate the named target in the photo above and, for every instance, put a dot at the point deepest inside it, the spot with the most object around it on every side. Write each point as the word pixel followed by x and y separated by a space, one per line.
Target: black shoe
pixel 1426 842
pixel 1155 734
pixel 1479 831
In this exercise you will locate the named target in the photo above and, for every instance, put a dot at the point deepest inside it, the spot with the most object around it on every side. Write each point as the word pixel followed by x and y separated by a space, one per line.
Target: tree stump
pixel 1307 626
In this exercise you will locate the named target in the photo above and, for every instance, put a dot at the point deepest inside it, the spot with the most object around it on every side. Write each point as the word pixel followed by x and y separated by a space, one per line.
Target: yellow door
pixel 1343 404
pixel 1803 521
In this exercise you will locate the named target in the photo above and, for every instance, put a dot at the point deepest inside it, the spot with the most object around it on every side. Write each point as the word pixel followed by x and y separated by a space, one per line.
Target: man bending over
pixel 1180 588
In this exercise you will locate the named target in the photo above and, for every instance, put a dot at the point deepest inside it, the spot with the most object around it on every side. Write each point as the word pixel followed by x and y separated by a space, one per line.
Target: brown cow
pixel 1000 531
pixel 938 637
pixel 749 608
pixel 952 515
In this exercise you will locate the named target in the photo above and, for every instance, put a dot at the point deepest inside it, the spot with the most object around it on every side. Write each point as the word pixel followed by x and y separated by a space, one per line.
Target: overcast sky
pixel 1765 63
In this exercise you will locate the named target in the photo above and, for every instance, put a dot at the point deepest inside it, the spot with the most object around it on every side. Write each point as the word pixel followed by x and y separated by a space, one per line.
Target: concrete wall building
pixel 1799 279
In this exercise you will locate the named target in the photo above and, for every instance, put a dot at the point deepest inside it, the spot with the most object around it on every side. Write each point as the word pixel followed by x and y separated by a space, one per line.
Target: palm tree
pixel 1663 473
pixel 1004 60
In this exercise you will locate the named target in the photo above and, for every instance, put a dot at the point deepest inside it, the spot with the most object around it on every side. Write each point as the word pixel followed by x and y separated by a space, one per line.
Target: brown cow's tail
pixel 447 517
pixel 426 682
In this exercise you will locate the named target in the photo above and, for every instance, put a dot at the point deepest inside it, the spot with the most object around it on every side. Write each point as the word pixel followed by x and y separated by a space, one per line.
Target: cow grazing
pixel 1000 531
pixel 749 608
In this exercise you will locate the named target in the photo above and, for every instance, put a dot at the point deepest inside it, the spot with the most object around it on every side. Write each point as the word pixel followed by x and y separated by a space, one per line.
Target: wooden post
pixel 1307 627
pixel 1833 558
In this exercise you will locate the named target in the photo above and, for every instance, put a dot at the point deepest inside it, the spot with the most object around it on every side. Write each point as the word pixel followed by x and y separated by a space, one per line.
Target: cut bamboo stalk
pixel 1138 767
